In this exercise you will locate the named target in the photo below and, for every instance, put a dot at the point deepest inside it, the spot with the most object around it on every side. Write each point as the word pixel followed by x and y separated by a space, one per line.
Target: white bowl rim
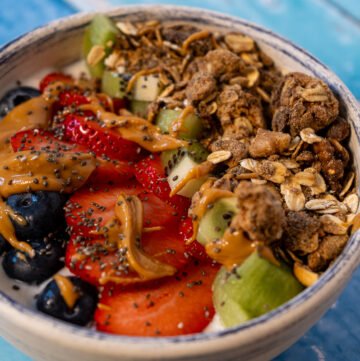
pixel 347 262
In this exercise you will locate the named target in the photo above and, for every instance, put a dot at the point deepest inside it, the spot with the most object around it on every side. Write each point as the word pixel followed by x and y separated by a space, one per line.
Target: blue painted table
pixel 330 29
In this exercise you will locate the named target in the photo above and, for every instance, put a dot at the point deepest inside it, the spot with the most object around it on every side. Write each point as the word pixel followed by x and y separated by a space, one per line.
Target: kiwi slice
pixel 193 125
pixel 215 221
pixel 255 287
pixel 146 88
pixel 113 84
pixel 101 31
pixel 139 108
pixel 178 163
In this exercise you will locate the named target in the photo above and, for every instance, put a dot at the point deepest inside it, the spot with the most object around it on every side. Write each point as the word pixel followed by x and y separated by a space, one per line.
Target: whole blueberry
pixel 43 212
pixel 4 245
pixel 51 302
pixel 16 96
pixel 48 259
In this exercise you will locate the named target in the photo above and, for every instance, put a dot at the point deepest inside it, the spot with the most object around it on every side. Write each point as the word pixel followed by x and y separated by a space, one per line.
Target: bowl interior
pixel 59 45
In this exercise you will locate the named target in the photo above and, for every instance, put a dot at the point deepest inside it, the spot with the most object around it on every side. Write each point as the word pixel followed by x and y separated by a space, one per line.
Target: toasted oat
pixel 306 178
pixel 294 143
pixel 239 43
pixel 350 218
pixel 112 59
pixel 304 275
pixel 252 76
pixel 320 185
pixel 96 54
pixel 275 172
pixel 348 184
pixel 317 94
pixel 290 163
pixel 308 136
pixel 293 195
pixel 219 156
pixel 321 204
pixel 352 202
pixel 258 181
pixel 263 94
pixel 334 225
pixel 249 164
pixel 127 28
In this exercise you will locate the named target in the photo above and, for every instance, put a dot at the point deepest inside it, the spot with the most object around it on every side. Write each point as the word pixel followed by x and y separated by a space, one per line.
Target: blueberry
pixel 4 245
pixel 51 302
pixel 47 261
pixel 15 97
pixel 43 212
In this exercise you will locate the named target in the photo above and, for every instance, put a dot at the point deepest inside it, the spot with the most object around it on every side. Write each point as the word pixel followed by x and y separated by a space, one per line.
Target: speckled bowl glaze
pixel 46 339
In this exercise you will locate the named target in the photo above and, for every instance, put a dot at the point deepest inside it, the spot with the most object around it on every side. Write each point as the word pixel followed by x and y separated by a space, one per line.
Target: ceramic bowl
pixel 46 339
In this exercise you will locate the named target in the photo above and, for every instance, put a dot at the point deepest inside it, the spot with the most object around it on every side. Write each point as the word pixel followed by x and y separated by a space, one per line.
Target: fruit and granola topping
pixel 185 177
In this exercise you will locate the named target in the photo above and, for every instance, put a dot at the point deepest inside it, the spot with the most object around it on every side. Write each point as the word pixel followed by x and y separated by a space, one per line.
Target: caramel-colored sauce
pixel 137 130
pixel 8 230
pixel 208 196
pixel 201 170
pixel 32 171
pixel 34 113
pixel 137 75
pixel 178 125
pixel 232 249
pixel 128 223
pixel 67 289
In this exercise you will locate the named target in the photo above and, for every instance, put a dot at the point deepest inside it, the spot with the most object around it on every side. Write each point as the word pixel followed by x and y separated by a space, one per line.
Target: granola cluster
pixel 289 164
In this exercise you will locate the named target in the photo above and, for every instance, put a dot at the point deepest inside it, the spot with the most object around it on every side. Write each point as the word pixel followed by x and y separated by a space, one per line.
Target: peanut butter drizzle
pixel 8 230
pixel 68 291
pixel 178 124
pixel 137 75
pixel 199 171
pixel 34 113
pixel 208 196
pixel 232 249
pixel 32 171
pixel 355 224
pixel 193 37
pixel 128 223
pixel 137 130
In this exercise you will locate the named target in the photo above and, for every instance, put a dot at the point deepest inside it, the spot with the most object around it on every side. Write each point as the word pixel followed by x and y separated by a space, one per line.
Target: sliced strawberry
pixel 100 140
pixel 165 245
pixel 39 139
pixel 111 172
pixel 53 78
pixel 89 208
pixel 119 103
pixel 151 175
pixel 72 98
pixel 194 249
pixel 173 306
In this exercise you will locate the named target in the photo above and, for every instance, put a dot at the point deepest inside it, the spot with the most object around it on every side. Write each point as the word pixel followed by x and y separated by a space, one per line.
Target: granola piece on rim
pixel 260 214
pixel 301 232
pixel 301 101
pixel 331 166
pixel 330 247
pixel 238 149
pixel 219 62
pixel 235 103
pixel 339 130
pixel 267 142
pixel 200 87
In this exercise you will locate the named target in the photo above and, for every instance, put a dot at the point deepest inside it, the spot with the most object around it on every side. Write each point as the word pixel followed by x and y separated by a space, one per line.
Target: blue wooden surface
pixel 330 29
